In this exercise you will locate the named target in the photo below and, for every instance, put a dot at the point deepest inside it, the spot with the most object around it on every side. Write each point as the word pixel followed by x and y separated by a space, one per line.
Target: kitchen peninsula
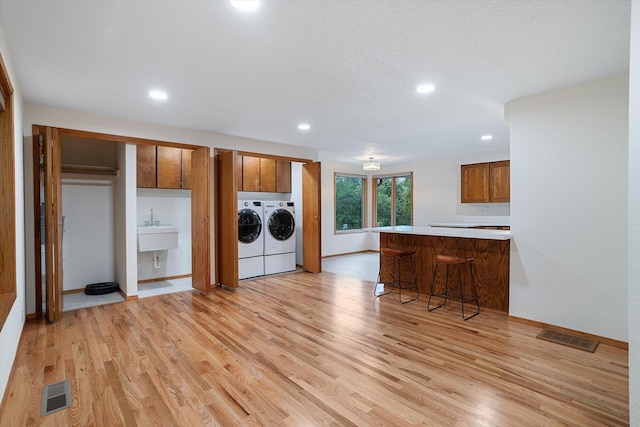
pixel 489 246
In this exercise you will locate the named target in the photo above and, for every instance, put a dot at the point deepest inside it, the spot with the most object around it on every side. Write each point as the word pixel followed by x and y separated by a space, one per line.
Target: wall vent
pixel 570 340
pixel 55 397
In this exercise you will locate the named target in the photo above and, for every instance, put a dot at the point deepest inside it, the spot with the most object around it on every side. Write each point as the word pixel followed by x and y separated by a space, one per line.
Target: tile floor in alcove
pixel 80 300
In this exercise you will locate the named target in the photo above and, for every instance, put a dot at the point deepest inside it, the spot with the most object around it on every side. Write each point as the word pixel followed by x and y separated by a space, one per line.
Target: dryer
pixel 250 239
pixel 279 237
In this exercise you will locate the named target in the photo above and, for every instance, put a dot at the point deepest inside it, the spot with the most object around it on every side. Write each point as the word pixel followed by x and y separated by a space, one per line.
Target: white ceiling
pixel 347 67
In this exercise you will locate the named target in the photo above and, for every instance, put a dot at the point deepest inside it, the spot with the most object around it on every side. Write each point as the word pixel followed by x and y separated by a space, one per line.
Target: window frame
pixel 374 192
pixel 7 196
pixel 365 190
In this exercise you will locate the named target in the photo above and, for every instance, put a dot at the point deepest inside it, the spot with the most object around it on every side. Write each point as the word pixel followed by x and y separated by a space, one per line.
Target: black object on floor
pixel 101 288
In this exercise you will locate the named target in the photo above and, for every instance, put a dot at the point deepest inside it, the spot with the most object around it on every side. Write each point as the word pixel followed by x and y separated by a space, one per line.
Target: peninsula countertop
pixel 468 233
pixel 490 249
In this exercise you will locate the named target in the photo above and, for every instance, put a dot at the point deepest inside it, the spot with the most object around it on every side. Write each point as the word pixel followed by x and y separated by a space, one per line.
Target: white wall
pixel 125 220
pixel 172 207
pixel 341 243
pixel 569 207
pixel 88 240
pixel 10 334
pixel 436 197
pixel 634 219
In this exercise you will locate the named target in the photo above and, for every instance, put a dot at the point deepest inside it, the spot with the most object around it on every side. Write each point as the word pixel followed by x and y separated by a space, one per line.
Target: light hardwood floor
pixel 304 349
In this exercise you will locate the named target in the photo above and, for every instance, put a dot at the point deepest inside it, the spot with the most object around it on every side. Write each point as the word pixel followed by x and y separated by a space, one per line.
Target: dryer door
pixel 281 224
pixel 249 226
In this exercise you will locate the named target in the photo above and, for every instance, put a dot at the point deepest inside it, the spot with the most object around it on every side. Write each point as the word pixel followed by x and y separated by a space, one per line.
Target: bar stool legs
pixel 461 296
pixel 397 258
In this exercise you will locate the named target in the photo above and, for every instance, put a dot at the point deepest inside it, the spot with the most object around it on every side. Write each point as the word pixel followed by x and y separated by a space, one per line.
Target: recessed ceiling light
pixel 158 94
pixel 486 137
pixel 246 5
pixel 426 88
pixel 304 126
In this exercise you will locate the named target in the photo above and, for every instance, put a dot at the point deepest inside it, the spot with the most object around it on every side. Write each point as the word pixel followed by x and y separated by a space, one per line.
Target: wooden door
pixel 146 166
pixel 38 236
pixel 239 184
pixel 51 183
pixel 226 219
pixel 474 187
pixel 250 173
pixel 311 220
pixel 186 169
pixel 268 175
pixel 169 167
pixel 283 176
pixel 500 174
pixel 200 224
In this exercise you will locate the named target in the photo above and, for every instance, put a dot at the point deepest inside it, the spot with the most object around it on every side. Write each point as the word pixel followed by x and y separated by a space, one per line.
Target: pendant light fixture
pixel 371 166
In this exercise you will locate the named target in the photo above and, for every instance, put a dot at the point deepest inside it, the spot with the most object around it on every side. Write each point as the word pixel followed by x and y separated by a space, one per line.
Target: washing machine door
pixel 281 224
pixel 249 226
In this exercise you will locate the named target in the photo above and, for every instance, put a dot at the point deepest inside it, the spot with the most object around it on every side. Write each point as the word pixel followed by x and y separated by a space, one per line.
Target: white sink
pixel 157 238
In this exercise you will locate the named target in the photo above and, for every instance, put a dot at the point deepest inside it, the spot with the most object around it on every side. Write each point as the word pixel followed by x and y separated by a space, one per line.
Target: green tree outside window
pixel 394 201
pixel 349 202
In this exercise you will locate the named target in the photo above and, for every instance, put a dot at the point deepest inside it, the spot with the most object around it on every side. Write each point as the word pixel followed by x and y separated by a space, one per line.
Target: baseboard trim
pixel 350 253
pixel 127 297
pixel 73 291
pixel 160 279
pixel 604 340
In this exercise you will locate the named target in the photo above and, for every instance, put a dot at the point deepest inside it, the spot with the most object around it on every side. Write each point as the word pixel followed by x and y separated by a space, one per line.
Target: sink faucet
pixel 151 216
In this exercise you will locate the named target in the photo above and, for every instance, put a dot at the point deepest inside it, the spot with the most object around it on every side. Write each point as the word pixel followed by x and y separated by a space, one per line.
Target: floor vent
pixel 55 397
pixel 570 340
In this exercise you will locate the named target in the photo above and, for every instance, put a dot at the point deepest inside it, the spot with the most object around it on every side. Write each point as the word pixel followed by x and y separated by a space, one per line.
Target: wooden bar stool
pixel 460 295
pixel 397 257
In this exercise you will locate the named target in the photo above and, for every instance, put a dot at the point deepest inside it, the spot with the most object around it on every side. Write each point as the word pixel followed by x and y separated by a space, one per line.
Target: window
pixel 393 200
pixel 350 201
pixel 7 198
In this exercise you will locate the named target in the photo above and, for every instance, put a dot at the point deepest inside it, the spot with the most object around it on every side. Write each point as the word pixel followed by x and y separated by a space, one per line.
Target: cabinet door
pixel 283 176
pixel 186 169
pixel 239 173
pixel 169 167
pixel 146 166
pixel 500 181
pixel 250 173
pixel 475 183
pixel 268 175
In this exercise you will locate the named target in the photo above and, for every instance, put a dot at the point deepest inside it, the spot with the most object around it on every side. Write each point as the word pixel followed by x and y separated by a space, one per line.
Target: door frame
pixel 36 129
pixel 225 216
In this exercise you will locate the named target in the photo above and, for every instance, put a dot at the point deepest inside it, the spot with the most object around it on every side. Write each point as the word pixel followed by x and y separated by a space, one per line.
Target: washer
pixel 250 239
pixel 279 237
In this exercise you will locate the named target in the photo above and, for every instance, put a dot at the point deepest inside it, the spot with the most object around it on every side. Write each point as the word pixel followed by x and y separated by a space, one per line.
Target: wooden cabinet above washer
pixel 263 174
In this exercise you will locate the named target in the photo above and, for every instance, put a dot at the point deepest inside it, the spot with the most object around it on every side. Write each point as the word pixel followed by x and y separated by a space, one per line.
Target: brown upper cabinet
pixel 283 176
pixel 163 167
pixel 261 174
pixel 268 175
pixel 146 166
pixel 500 182
pixel 186 168
pixel 485 182
pixel 250 173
